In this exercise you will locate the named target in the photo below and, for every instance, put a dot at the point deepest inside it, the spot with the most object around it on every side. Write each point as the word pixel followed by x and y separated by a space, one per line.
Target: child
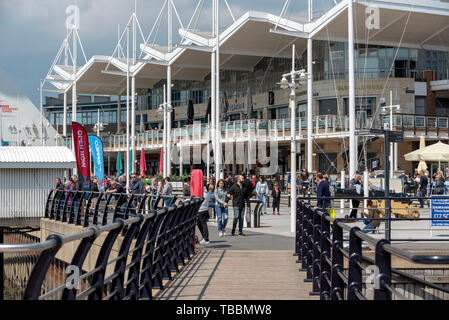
pixel 276 194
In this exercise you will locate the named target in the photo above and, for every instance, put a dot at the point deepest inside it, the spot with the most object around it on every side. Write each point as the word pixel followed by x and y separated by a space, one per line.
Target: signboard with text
pixel 439 209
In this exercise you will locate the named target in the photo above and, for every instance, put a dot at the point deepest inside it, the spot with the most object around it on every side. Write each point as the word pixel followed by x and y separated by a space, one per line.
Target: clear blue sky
pixel 31 31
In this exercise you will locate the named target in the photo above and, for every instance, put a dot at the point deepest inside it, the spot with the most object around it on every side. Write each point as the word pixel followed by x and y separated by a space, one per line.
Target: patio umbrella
pixel 435 152
pixel 190 112
pixel 143 163
pixel 119 165
pixel 208 110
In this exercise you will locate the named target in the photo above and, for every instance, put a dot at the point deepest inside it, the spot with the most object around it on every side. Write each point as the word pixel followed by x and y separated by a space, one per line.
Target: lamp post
pixel 393 150
pixel 98 126
pixel 166 109
pixel 292 104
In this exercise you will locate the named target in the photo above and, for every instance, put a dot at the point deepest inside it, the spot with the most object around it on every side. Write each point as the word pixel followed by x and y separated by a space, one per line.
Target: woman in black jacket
pixel 276 194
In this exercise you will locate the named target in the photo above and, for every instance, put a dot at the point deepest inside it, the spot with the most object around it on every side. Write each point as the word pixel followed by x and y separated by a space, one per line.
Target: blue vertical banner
pixel 96 147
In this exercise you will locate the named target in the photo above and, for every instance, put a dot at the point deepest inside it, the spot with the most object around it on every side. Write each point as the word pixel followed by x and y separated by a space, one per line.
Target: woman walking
pixel 276 194
pixel 221 207
pixel 262 192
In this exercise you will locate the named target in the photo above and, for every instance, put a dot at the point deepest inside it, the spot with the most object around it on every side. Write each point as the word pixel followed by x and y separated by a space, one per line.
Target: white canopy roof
pixel 415 23
pixel 36 157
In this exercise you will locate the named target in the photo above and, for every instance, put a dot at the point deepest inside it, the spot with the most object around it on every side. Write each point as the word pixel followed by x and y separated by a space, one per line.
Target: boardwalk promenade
pixel 259 266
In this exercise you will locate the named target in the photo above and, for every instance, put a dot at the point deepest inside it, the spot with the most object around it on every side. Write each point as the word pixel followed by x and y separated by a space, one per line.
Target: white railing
pixel 280 128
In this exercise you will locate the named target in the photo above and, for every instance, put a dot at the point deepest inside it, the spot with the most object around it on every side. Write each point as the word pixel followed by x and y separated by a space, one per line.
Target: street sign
pixel 370 132
pixel 395 136
pixel 392 136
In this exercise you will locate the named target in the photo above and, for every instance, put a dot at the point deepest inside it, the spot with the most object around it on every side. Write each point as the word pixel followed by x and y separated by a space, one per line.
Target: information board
pixel 439 209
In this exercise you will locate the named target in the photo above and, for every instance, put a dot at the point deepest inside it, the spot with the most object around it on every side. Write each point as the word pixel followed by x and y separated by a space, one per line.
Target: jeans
pixel 238 216
pixel 368 227
pixel 355 205
pixel 167 202
pixel 202 224
pixel 222 217
pixel 263 198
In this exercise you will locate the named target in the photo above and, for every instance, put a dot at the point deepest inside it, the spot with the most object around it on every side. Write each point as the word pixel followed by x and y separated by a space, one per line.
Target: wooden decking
pixel 216 274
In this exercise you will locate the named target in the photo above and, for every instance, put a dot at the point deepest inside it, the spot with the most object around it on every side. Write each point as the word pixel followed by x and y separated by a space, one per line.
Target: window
pixel 365 105
pixel 327 106
pixel 420 105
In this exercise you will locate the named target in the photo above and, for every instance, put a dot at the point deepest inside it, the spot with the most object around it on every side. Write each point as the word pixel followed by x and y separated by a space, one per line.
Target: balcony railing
pixel 322 126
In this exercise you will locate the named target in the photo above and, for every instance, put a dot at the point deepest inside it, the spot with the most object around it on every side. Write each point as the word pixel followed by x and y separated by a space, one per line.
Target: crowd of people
pixel 240 189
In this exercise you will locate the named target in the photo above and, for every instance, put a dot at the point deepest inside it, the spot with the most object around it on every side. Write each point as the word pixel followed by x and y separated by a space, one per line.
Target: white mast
pixel 352 138
pixel 310 96
pixel 292 103
pixel 169 84
pixel 217 152
pixel 133 96
pixel 213 90
pixel 127 108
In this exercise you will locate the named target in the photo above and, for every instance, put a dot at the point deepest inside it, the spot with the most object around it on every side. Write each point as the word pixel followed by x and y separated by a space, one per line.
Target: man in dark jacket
pixel 59 186
pixel 136 185
pixel 322 192
pixel 238 192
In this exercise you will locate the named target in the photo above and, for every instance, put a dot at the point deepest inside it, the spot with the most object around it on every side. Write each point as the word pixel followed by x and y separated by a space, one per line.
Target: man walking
pixel 322 192
pixel 238 194
pixel 422 188
pixel 356 185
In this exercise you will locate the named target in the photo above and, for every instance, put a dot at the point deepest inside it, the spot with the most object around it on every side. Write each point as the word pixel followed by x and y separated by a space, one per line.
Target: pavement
pixel 274 232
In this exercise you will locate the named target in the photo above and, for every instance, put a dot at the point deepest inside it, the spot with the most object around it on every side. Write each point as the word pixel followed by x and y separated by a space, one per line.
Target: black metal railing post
pixel 325 263
pixel 304 243
pixel 308 245
pixel 298 234
pixel 383 278
pixel 316 252
pixel 337 283
pixel 354 269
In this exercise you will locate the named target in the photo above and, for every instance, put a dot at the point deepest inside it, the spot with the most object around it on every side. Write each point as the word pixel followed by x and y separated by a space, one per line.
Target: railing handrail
pixel 322 257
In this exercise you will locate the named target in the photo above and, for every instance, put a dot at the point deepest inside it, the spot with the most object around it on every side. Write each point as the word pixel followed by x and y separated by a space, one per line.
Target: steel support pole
pixel 42 114
pixel 119 113
pixel 64 121
pixel 392 164
pixel 127 109
pixel 387 189
pixel 169 84
pixel 180 160
pixel 168 120
pixel 217 152
pixel 352 140
pixel 213 89
pixel 292 103
pixel 310 97
pixel 164 135
pixel 133 124
pixel 74 93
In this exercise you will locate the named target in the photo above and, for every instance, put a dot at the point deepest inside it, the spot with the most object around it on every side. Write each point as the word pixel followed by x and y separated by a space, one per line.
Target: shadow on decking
pixel 175 289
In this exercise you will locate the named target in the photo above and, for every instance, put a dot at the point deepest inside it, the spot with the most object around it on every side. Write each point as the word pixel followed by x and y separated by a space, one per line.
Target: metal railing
pixel 153 245
pixel 321 251
pixel 280 128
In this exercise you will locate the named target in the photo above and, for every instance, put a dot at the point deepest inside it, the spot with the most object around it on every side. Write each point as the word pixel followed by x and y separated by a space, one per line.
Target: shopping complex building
pixel 403 61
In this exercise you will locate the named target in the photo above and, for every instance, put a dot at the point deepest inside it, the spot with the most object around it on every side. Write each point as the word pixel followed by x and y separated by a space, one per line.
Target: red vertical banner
pixel 81 143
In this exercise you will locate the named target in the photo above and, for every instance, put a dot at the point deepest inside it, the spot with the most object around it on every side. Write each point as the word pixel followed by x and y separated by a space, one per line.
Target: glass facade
pixel 88 117
pixel 374 61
